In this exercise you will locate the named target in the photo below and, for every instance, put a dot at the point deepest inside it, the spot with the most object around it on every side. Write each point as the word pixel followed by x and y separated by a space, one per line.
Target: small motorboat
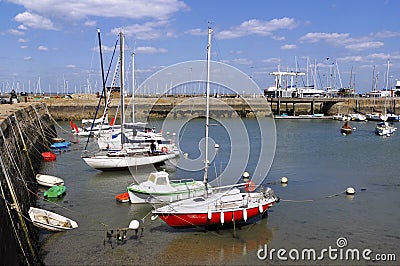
pixel 50 221
pixel 346 129
pixel 55 192
pixel 49 156
pixel 49 180
pixel 60 145
pixel 124 197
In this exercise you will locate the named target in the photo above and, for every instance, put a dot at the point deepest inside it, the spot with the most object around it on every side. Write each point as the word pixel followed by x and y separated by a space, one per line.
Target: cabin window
pixel 152 178
pixel 161 181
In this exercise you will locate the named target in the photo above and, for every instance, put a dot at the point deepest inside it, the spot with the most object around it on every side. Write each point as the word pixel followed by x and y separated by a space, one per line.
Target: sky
pixel 53 47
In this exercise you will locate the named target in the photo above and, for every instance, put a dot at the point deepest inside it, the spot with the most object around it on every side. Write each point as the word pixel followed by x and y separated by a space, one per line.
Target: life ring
pixel 164 149
pixel 250 186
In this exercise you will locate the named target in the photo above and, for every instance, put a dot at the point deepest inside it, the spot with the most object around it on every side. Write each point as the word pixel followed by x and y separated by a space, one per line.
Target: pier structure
pixel 322 105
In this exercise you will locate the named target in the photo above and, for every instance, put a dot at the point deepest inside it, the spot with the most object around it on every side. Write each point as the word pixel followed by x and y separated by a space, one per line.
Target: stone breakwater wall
pixel 83 106
pixel 26 131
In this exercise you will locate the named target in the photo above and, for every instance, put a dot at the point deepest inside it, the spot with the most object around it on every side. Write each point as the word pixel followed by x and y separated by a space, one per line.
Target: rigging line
pixel 40 124
pixel 52 118
pixel 312 200
pixel 13 160
pixel 17 207
pixel 12 222
pixel 24 144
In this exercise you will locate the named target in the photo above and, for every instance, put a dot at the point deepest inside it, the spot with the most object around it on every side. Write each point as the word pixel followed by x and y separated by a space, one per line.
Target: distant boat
pixel 49 156
pixel 346 129
pixel 50 221
pixel 384 129
pixel 55 192
pixel 357 117
pixel 60 145
pixel 49 180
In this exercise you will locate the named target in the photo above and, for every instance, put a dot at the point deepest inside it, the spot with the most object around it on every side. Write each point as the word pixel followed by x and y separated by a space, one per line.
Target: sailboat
pixel 125 157
pixel 227 204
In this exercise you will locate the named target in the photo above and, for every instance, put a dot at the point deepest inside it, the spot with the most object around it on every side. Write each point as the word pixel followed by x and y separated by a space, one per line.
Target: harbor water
pixel 314 212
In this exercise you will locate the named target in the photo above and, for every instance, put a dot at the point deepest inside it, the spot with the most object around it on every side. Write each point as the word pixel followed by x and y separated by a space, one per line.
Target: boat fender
pixel 250 186
pixel 245 215
pixel 260 207
pixel 222 218
pixel 209 214
pixel 164 149
pixel 154 217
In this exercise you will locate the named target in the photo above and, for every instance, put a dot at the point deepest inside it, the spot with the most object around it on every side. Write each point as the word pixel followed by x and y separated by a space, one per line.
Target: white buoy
pixel 216 146
pixel 186 154
pixel 174 134
pixel 284 180
pixel 167 132
pixel 222 218
pixel 350 191
pixel 134 224
pixel 246 176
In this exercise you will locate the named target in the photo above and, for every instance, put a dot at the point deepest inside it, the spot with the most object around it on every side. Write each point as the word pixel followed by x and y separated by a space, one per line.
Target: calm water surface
pixel 318 161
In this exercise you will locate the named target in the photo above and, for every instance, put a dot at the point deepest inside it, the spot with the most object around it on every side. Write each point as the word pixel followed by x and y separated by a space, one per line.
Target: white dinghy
pixel 49 180
pixel 50 221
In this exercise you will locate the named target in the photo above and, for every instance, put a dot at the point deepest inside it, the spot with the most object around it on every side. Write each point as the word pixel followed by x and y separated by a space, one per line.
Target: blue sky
pixel 58 42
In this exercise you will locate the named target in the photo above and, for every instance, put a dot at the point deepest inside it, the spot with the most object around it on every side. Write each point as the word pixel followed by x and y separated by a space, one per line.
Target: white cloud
pixel 354 58
pixel 70 66
pixel 21 40
pixel 42 48
pixel 23 46
pixel 197 32
pixel 257 27
pixel 78 9
pixel 27 58
pixel 148 31
pixel 364 45
pixel 314 37
pixel 34 21
pixel 90 23
pixel 242 61
pixel 386 34
pixel 288 47
pixel 22 27
pixel 150 50
pixel 16 32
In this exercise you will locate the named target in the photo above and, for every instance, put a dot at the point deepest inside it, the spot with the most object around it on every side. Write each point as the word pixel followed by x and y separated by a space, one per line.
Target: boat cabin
pixel 159 178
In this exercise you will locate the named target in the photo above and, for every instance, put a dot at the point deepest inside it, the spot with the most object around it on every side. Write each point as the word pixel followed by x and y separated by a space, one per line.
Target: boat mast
pixel 206 163
pixel 133 87
pixel 102 68
pixel 121 82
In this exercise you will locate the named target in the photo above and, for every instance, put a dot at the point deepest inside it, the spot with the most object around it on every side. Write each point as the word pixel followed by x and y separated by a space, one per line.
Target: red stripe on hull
pixel 201 219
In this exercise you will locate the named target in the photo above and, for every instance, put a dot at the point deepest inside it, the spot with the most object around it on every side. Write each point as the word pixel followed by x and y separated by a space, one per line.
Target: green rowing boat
pixel 55 192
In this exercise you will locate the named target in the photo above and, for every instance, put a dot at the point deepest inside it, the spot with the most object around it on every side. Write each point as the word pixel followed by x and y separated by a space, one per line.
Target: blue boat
pixel 60 145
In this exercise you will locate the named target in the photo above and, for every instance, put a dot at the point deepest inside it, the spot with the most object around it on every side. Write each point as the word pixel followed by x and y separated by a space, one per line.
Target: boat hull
pixel 50 221
pixel 49 180
pixel 140 196
pixel 105 162
pixel 202 219
pixel 55 192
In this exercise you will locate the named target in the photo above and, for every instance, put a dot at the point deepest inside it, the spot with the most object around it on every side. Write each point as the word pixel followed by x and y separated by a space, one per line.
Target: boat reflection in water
pixel 214 247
